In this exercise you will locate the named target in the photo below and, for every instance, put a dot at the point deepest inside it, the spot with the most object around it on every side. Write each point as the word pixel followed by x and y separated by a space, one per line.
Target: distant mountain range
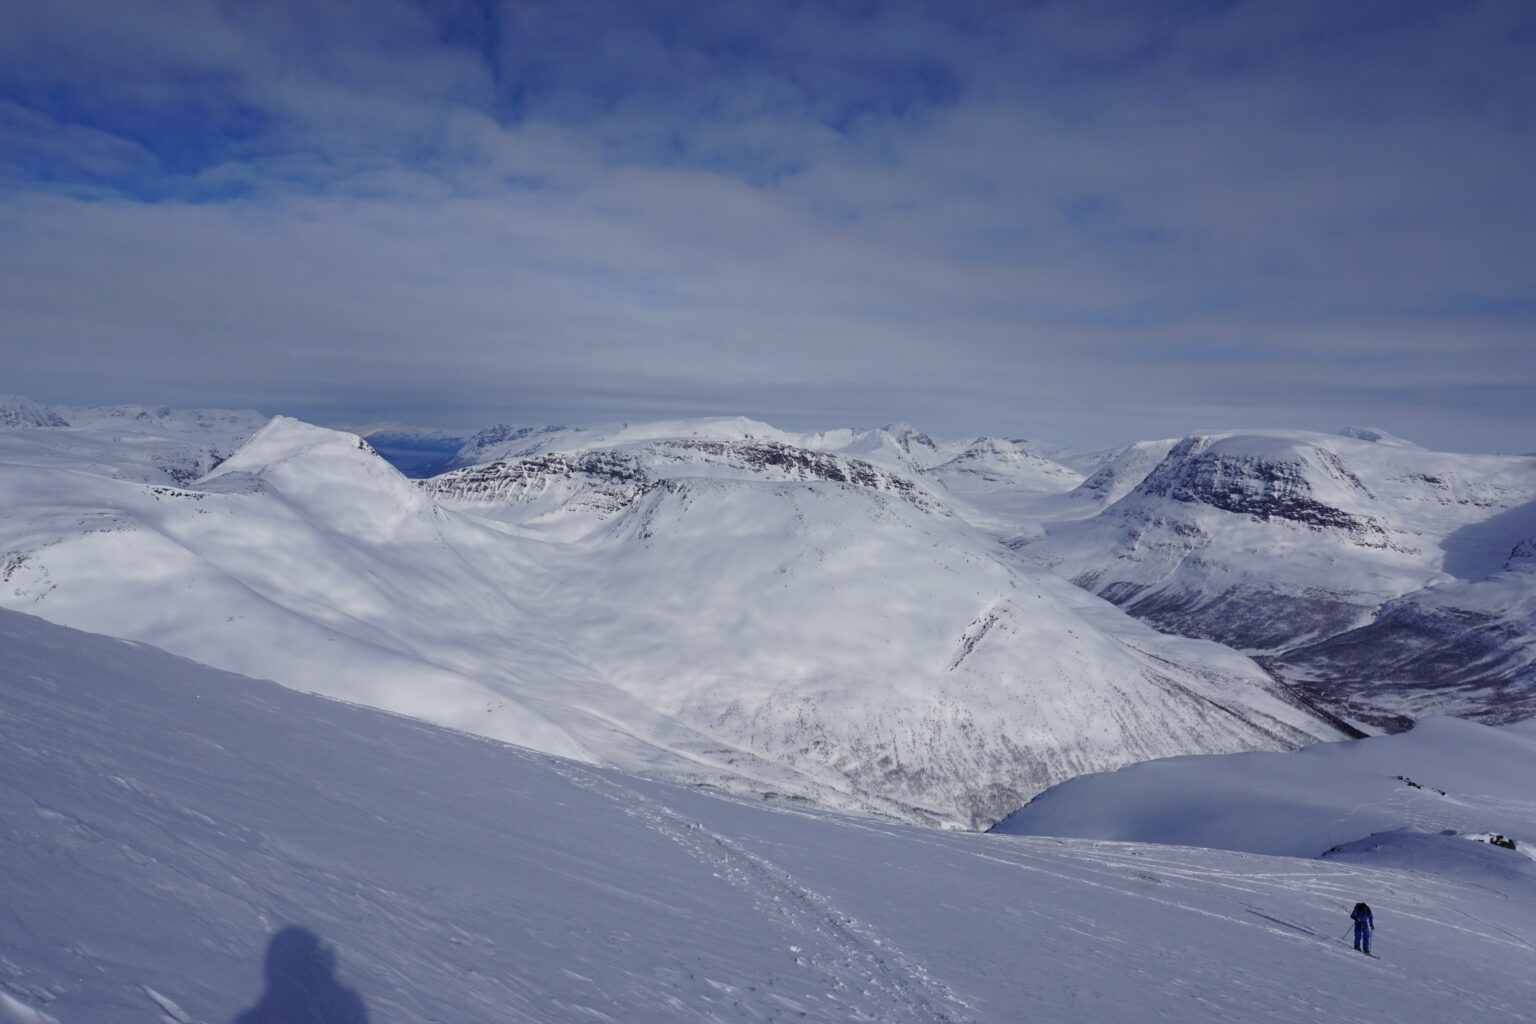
pixel 865 619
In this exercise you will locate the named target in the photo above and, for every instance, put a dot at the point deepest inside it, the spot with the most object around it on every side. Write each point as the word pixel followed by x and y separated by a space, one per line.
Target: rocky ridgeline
pixel 610 478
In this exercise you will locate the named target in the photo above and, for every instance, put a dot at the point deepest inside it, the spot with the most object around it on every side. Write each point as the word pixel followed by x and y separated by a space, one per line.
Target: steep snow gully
pixel 188 846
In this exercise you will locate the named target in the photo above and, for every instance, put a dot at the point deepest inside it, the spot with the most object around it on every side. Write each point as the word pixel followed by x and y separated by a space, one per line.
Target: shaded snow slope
pixel 1459 647
pixel 744 614
pixel 1446 779
pixel 185 845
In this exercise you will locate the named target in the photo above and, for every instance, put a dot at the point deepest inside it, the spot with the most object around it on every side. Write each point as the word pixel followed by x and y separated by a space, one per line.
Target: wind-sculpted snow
pixel 747 615
pixel 189 846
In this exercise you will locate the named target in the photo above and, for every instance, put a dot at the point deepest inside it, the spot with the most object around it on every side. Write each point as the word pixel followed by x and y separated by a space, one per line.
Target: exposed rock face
pixel 1262 486
pixel 604 480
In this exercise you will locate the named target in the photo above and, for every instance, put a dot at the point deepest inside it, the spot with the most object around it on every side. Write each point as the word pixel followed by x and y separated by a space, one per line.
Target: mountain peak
pixel 20 412
pixel 1376 435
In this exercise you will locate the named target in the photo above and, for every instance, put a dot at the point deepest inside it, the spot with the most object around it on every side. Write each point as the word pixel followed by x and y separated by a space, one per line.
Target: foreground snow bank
pixel 182 844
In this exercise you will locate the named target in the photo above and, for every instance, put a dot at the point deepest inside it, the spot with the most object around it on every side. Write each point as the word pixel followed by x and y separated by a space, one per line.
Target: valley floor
pixel 165 827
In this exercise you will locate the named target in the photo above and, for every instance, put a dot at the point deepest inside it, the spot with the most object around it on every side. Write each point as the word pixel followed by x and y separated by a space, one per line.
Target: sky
pixel 1082 221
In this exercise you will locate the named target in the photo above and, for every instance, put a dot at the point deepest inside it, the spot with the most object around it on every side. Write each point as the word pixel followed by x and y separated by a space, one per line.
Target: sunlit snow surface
pixel 161 823
pixel 776 619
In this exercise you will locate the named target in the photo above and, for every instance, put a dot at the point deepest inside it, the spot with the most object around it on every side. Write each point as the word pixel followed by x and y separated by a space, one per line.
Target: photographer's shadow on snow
pixel 301 985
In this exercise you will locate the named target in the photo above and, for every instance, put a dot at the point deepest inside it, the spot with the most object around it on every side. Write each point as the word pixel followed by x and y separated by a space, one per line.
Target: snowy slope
pixel 1445 780
pixel 182 845
pixel 1116 475
pixel 1271 540
pixel 996 482
pixel 745 614
pixel 150 444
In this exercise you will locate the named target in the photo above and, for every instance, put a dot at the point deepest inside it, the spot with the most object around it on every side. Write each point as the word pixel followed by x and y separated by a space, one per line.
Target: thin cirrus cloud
pixel 1092 221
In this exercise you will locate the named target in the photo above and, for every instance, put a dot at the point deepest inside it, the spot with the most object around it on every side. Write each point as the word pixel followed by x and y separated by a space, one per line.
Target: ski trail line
pixel 879 966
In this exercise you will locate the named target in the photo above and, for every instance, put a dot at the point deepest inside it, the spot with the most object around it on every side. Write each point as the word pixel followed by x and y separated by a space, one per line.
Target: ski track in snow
pixel 863 964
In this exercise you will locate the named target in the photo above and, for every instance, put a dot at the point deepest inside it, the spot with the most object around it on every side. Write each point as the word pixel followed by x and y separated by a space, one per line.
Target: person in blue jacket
pixel 1364 925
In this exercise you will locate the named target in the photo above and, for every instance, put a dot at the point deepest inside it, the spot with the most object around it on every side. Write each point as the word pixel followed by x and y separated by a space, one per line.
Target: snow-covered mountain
pixel 1116 475
pixel 997 481
pixel 151 444
pixel 1376 434
pixel 1273 541
pixel 1381 578
pixel 852 616
pixel 747 614
pixel 19 412
pixel 994 483
pixel 900 447
pixel 182 845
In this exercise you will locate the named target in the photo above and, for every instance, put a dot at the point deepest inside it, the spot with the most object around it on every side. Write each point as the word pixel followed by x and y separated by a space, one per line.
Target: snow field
pixel 161 821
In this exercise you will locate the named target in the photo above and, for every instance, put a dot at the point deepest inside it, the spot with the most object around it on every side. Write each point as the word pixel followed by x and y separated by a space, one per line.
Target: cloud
pixel 1096 220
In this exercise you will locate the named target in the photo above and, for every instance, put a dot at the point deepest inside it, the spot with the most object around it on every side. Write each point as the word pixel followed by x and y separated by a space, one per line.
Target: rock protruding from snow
pixel 600 481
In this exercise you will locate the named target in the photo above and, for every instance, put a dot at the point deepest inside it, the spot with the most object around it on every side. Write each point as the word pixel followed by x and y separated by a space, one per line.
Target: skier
pixel 1364 925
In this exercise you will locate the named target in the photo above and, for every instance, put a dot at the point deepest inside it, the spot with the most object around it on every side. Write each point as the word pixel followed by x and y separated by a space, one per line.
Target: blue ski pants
pixel 1362 936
